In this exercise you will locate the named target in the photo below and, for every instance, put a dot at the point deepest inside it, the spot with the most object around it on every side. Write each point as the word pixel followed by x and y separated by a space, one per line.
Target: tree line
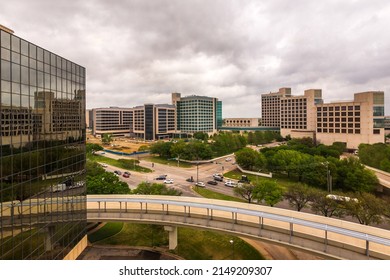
pixel 311 165
pixel 375 155
pixel 365 207
pixel 196 149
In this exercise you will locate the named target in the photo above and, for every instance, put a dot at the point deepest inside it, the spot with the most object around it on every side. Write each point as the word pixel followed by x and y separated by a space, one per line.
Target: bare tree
pixel 245 191
pixel 298 195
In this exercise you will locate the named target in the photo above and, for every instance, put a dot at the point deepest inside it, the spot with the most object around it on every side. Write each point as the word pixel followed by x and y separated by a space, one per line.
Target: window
pixel 379 111
pixel 350 131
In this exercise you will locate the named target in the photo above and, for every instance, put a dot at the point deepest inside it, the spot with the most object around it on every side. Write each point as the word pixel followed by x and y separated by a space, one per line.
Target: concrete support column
pixel 49 242
pixel 172 236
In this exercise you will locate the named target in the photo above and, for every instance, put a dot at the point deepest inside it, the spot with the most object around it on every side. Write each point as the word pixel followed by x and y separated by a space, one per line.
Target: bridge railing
pixel 347 234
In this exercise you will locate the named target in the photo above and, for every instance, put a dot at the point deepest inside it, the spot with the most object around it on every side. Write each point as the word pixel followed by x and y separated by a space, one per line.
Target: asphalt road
pixel 179 175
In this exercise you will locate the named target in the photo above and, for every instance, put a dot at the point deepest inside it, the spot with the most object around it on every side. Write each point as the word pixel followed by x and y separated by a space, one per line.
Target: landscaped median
pixel 128 164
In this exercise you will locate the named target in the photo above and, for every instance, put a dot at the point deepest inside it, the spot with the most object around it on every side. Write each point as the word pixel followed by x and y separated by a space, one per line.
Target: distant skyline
pixel 141 51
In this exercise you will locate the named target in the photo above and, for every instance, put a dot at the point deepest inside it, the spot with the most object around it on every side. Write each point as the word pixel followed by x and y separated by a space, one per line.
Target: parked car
pixel 126 174
pixel 190 180
pixel 104 165
pixel 217 175
pixel 212 183
pixel 230 184
pixel 161 177
pixel 218 178
pixel 228 159
pixel 168 181
pixel 244 179
pixel 200 184
pixel 117 172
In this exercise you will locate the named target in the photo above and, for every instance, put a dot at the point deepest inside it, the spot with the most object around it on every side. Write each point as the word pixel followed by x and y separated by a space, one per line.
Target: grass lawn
pixel 109 229
pixel 160 160
pixel 121 163
pixel 282 180
pixel 208 245
pixel 215 195
pixel 193 244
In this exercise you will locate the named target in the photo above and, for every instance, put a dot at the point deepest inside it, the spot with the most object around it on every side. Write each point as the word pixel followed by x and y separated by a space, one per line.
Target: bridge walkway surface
pixel 327 237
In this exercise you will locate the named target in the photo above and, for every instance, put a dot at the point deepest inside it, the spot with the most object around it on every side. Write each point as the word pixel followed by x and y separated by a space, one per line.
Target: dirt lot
pixel 122 144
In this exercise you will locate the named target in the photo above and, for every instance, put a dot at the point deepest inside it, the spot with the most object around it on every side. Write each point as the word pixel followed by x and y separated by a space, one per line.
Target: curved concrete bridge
pixel 328 237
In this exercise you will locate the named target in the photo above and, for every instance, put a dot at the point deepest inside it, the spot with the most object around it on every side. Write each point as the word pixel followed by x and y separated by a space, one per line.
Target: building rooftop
pixel 6 29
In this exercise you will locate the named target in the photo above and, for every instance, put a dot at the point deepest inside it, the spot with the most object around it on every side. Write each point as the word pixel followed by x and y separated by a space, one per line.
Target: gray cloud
pixel 139 51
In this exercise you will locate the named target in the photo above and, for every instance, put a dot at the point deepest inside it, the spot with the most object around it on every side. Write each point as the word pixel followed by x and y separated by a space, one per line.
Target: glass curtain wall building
pixel 42 147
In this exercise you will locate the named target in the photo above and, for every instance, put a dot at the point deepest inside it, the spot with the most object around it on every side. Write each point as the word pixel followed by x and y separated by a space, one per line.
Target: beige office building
pixel 353 122
pixel 297 114
pixel 270 107
pixel 113 120
pixel 148 122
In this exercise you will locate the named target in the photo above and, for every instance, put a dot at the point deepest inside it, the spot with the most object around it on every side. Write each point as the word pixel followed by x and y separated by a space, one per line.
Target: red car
pixel 126 174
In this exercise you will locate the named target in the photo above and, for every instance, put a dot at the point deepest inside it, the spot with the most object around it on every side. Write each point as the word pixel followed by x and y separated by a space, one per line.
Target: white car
pixel 230 184
pixel 168 181
pixel 200 184
pixel 104 165
pixel 228 159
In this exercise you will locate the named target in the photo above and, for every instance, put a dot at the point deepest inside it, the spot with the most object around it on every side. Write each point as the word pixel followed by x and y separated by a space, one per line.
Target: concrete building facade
pixel 270 107
pixel 353 122
pixel 113 120
pixel 148 122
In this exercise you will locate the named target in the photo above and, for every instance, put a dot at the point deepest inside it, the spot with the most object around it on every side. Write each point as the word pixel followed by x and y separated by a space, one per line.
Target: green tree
pixel 368 209
pixel 163 149
pixel 196 150
pixel 178 149
pixel 298 195
pixel 106 138
pixel 245 191
pixel 200 135
pixel 90 148
pixel 155 189
pixel 250 159
pixel 143 148
pixel 268 191
pixel 376 155
pixel 353 176
pixel 101 182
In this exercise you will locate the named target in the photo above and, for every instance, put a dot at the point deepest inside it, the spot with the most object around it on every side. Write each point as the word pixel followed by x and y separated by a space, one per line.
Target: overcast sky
pixel 140 51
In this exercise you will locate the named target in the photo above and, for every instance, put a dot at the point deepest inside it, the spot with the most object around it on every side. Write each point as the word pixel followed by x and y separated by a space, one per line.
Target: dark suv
pixel 161 177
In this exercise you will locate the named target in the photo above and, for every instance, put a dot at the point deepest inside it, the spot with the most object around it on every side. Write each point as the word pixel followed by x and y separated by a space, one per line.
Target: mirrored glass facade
pixel 42 148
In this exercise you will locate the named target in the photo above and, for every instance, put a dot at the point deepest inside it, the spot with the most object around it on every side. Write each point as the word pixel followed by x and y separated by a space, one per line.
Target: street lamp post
pixel 328 178
pixel 197 171
pixel 232 242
